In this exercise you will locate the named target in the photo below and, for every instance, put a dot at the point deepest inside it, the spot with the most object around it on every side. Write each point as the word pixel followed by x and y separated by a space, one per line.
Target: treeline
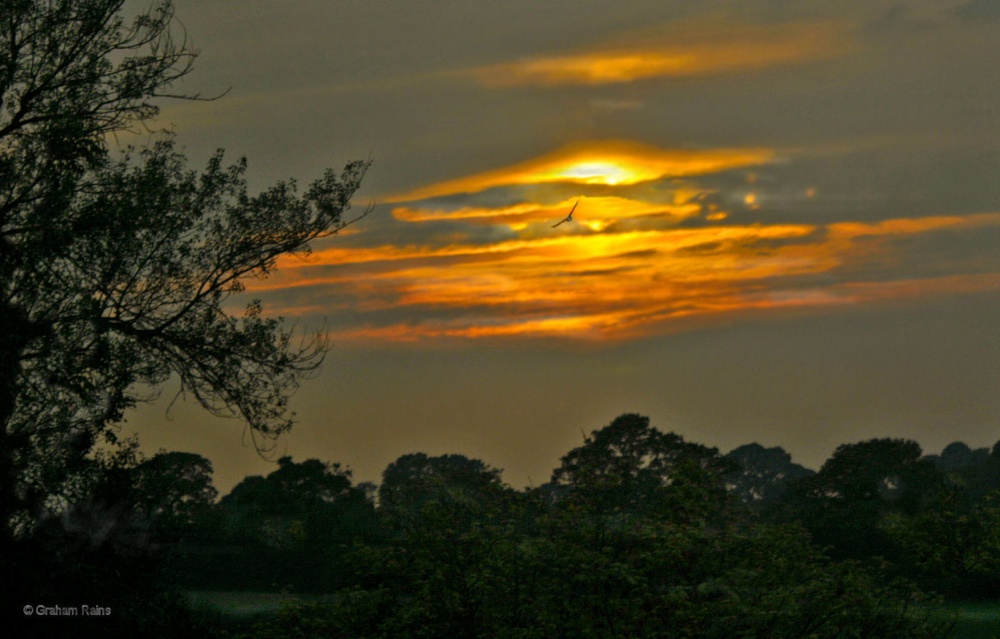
pixel 639 533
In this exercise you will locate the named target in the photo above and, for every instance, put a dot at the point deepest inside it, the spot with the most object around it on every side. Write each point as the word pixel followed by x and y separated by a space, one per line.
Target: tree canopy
pixel 763 474
pixel 630 466
pixel 117 269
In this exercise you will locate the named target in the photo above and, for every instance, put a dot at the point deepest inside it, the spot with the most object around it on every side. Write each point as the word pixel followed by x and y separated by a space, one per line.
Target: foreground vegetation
pixel 639 533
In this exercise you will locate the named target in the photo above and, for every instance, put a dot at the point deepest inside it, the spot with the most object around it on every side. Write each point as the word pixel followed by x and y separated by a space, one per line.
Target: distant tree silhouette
pixel 844 504
pixel 630 467
pixel 763 474
pixel 292 528
pixel 174 491
pixel 976 471
pixel 633 538
pixel 445 517
pixel 415 482
pixel 958 455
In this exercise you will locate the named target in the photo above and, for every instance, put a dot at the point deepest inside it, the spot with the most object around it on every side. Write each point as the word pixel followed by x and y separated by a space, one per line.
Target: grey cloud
pixel 979 11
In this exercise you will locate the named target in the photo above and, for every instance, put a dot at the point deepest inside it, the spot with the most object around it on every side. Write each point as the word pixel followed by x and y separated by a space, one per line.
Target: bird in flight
pixel 568 218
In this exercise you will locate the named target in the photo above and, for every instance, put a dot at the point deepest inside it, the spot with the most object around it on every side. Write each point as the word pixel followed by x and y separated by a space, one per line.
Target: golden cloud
pixel 678 50
pixel 911 226
pixel 606 162
pixel 617 285
pixel 596 212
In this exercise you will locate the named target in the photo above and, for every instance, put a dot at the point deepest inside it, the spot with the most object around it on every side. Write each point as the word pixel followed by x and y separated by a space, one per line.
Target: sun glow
pixel 597 281
pixel 603 173
pixel 648 244
pixel 608 162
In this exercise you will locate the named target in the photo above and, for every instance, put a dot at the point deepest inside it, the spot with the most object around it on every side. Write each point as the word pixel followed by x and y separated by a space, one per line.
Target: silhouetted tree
pixel 629 467
pixel 118 271
pixel 415 482
pixel 174 491
pixel 291 528
pixel 958 455
pixel 468 558
pixel 980 477
pixel 763 474
pixel 447 519
pixel 315 498
pixel 844 504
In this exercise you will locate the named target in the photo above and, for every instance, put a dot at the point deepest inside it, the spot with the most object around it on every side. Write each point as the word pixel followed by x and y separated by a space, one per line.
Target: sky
pixel 786 223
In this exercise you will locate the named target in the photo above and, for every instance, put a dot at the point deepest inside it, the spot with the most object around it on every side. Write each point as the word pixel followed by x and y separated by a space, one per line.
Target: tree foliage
pixel 307 501
pixel 623 545
pixel 629 466
pixel 416 485
pixel 851 495
pixel 173 491
pixel 291 529
pixel 117 271
pixel 762 475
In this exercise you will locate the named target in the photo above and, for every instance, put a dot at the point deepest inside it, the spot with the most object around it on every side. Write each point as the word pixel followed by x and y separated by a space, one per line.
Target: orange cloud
pixel 616 285
pixel 607 162
pixel 595 212
pixel 912 226
pixel 679 50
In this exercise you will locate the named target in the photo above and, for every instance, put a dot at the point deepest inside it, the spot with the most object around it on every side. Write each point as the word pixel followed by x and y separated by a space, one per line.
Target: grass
pixel 243 604
pixel 976 619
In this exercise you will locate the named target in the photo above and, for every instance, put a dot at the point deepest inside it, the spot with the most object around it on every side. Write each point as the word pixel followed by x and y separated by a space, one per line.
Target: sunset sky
pixel 787 223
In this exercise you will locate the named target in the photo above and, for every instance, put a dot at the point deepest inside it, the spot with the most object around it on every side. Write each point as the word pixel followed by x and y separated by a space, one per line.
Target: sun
pixel 599 172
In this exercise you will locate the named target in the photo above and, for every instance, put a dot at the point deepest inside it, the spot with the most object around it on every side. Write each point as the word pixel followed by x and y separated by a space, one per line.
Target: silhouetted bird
pixel 568 218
